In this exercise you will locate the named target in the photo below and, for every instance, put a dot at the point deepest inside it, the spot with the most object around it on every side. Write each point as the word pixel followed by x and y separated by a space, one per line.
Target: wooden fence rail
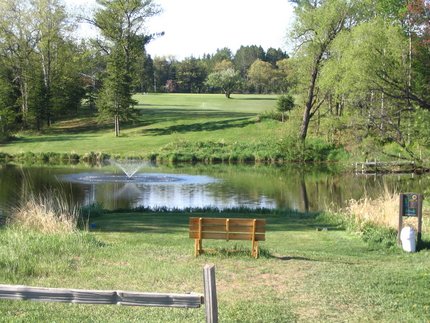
pixel 100 297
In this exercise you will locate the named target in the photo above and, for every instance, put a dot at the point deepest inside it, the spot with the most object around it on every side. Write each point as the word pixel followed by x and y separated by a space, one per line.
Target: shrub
pixel 378 235
pixel 284 104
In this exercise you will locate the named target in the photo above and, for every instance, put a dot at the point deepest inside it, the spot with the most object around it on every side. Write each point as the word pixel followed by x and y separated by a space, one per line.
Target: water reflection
pixel 303 189
pixel 132 195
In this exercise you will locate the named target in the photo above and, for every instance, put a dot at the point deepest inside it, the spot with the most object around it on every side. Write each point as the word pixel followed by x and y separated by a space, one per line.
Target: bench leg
pixel 197 247
pixel 254 252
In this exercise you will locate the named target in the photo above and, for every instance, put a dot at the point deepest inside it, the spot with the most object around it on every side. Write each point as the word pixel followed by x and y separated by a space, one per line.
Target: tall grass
pixel 382 210
pixel 376 219
pixel 47 213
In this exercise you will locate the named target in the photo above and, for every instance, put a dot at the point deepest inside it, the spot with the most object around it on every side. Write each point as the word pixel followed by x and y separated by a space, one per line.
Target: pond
pixel 200 186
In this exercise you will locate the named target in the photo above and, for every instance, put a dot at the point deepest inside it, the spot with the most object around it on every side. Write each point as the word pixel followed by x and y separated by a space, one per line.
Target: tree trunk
pixel 46 69
pixel 381 126
pixel 23 88
pixel 117 128
pixel 309 101
pixel 304 195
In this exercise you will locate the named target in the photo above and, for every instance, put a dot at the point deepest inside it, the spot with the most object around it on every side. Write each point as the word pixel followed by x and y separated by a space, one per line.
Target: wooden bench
pixel 227 229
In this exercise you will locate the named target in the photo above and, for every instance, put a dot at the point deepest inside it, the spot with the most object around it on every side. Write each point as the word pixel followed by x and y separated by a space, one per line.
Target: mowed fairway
pixel 161 119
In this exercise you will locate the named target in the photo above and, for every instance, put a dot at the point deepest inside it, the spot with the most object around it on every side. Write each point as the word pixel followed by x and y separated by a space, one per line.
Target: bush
pixel 284 104
pixel 379 236
pixel 287 149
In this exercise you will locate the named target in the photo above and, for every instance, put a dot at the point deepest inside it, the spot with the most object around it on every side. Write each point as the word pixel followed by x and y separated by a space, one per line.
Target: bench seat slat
pixel 226 236
pixel 222 228
pixel 222 221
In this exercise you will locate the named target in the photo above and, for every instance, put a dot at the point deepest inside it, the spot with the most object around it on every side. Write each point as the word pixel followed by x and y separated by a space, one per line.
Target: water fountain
pixel 128 166
pixel 130 173
pixel 133 183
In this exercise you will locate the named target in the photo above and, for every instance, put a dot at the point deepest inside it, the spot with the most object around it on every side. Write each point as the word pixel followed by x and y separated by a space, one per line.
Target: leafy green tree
pixel 37 49
pixel 50 17
pixel 145 67
pixel 67 85
pixel 245 56
pixel 8 104
pixel 17 45
pixel 317 25
pixel 93 64
pixel 191 74
pixel 164 72
pixel 222 54
pixel 227 79
pixel 223 65
pixel 121 23
pixel 284 104
pixel 372 72
pixel 260 75
pixel 274 55
pixel 283 80
pixel 418 31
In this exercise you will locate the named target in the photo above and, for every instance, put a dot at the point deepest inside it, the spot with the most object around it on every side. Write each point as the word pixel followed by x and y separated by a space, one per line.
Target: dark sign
pixel 410 205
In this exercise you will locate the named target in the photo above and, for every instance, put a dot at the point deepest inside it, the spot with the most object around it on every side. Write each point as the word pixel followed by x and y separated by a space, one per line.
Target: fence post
pixel 211 303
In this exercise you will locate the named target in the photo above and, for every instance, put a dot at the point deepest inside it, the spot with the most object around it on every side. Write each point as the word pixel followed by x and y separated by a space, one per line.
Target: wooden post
pixel 227 228
pixel 420 218
pixel 400 225
pixel 198 242
pixel 211 303
pixel 254 252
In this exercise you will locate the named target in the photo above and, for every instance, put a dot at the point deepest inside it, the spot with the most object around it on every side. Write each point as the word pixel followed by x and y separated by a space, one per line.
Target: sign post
pixel 411 205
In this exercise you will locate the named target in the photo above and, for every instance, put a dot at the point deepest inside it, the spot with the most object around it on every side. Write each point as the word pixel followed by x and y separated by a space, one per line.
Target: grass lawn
pixel 162 119
pixel 303 275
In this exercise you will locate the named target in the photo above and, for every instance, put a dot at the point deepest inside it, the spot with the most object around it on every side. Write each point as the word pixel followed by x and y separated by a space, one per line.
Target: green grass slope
pixel 303 275
pixel 161 119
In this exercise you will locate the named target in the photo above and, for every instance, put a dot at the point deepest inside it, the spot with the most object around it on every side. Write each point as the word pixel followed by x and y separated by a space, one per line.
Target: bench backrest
pixel 227 229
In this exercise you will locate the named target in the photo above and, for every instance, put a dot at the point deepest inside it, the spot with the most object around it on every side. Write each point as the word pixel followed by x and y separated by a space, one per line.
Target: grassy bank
pixel 177 127
pixel 302 275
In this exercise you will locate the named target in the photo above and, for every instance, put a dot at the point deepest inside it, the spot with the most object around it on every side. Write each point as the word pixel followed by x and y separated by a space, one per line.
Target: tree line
pixel 47 71
pixel 359 74
pixel 250 70
pixel 363 68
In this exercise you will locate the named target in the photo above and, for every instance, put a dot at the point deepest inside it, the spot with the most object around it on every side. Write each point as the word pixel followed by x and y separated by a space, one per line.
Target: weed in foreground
pixel 48 213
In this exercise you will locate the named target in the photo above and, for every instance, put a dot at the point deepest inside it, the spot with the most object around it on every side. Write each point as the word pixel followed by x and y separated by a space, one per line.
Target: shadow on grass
pixel 243 252
pixel 47 139
pixel 288 258
pixel 200 126
pixel 253 99
pixel 423 245
pixel 174 222
pixel 169 115
pixel 146 117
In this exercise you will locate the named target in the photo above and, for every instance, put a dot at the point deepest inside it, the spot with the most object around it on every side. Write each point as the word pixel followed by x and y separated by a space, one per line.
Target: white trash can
pixel 407 236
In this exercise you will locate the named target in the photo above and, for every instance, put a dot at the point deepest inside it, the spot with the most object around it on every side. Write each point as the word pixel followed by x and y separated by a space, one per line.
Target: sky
pixel 197 27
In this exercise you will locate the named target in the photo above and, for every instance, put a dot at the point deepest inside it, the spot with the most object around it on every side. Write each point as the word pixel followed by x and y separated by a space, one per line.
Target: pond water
pixel 220 186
